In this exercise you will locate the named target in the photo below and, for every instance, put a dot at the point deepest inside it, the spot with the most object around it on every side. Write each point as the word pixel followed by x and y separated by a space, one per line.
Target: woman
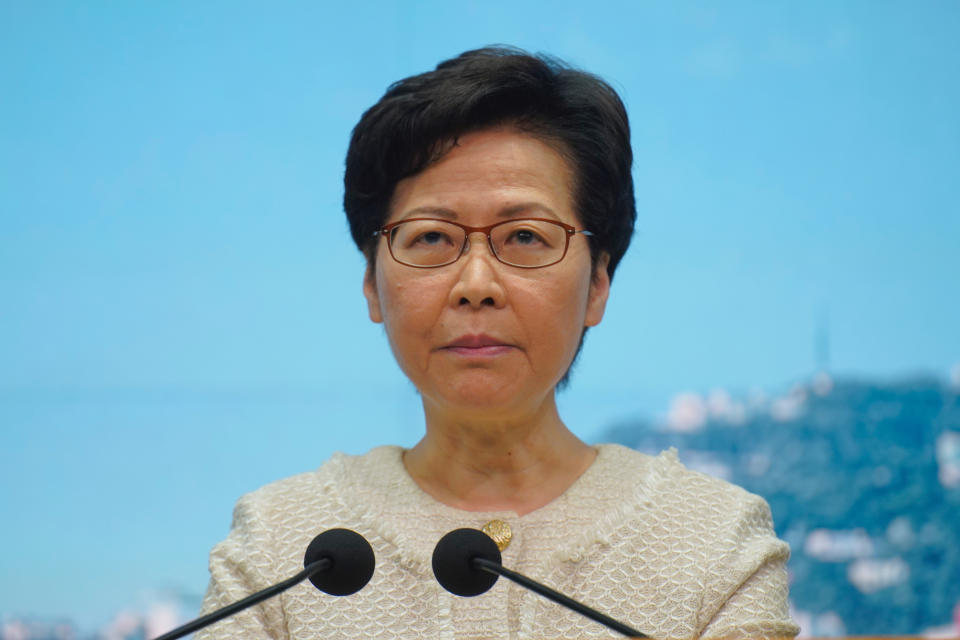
pixel 493 200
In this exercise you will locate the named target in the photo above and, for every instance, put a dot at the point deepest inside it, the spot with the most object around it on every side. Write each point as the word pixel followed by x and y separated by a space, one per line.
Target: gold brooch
pixel 499 531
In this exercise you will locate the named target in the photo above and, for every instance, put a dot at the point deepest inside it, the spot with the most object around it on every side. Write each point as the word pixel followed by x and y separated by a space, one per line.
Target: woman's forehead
pixel 499 172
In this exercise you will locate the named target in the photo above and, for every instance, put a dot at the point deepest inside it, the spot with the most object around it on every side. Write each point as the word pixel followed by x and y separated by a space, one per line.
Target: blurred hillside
pixel 864 483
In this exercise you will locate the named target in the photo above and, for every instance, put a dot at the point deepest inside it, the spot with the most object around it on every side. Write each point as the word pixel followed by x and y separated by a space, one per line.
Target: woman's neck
pixel 518 464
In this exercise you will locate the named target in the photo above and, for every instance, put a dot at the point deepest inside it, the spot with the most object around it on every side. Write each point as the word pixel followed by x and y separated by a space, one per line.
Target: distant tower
pixel 821 342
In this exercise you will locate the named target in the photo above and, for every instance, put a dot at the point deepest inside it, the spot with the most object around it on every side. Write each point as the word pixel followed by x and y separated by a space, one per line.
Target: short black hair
pixel 420 118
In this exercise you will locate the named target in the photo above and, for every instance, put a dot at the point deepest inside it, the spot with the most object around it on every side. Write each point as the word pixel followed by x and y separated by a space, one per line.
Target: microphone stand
pixel 498 569
pixel 194 625
pixel 338 562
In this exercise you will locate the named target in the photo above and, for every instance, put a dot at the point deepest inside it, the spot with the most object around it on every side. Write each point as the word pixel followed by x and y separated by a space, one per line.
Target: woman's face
pixel 478 335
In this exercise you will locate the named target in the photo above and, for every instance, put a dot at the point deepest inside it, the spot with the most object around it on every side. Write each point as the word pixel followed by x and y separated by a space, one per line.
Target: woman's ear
pixel 370 293
pixel 599 292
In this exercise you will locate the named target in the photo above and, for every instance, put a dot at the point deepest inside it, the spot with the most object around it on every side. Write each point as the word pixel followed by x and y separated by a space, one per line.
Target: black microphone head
pixel 351 561
pixel 453 562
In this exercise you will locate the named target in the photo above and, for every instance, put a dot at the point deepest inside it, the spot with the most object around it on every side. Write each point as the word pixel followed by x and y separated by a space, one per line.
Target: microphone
pixel 348 562
pixel 338 562
pixel 467 562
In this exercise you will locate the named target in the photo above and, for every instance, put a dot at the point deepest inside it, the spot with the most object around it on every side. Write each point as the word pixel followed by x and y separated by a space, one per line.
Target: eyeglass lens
pixel 522 243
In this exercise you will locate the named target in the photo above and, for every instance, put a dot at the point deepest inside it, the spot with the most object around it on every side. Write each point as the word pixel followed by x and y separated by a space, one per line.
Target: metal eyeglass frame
pixel 468 230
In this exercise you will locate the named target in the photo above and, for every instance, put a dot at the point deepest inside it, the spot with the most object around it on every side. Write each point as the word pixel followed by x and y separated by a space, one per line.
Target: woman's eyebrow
pixel 513 211
pixel 430 212
pixel 526 208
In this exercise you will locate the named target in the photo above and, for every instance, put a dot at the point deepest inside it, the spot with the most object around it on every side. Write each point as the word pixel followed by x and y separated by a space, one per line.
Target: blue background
pixel 180 308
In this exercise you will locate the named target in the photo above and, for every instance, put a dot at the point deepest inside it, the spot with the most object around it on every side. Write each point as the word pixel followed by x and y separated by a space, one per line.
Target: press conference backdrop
pixel 180 309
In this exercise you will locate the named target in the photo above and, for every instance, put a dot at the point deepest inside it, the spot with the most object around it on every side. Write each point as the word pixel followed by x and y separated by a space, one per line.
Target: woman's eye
pixel 428 239
pixel 525 237
pixel 432 237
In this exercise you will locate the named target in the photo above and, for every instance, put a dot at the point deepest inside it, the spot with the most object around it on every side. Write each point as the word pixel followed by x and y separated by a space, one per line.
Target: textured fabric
pixel 670 552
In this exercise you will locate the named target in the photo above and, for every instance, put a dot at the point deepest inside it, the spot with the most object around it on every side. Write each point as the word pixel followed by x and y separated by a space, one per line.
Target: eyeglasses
pixel 528 243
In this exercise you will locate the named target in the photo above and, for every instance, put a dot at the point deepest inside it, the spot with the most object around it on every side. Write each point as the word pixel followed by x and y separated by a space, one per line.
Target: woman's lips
pixel 488 351
pixel 478 346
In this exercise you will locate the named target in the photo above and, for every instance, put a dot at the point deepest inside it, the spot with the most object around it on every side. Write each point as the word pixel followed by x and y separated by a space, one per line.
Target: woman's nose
pixel 478 280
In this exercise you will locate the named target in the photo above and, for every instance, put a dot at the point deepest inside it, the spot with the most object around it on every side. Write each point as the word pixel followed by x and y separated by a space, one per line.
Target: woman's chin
pixel 489 394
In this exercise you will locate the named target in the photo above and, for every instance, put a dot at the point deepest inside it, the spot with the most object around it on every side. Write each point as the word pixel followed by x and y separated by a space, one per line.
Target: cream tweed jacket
pixel 671 552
